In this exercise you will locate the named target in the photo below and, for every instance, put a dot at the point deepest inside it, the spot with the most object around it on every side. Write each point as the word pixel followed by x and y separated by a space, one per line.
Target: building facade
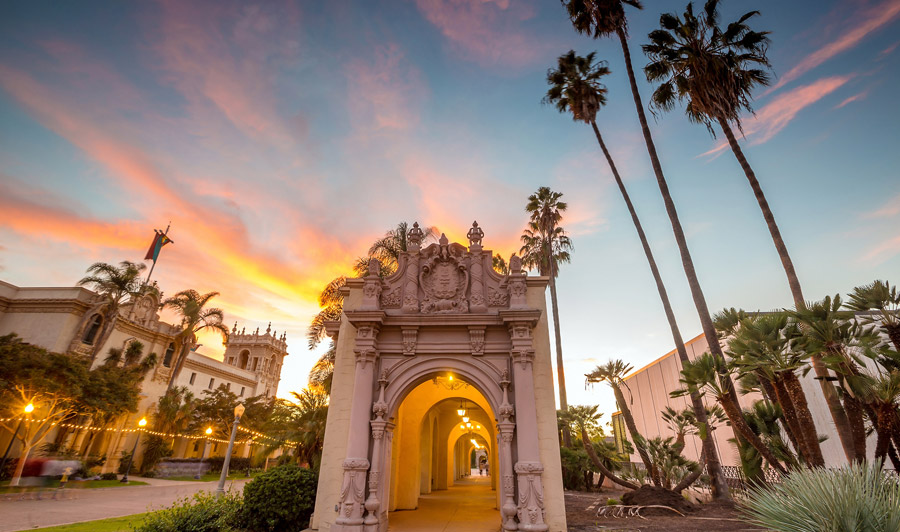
pixel 69 320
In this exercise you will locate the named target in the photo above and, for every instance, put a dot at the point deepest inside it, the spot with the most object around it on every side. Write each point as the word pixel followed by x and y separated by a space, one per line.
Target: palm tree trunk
pixel 739 423
pixel 109 323
pixel 831 397
pixel 185 350
pixel 592 454
pixel 893 332
pixel 883 427
pixel 692 477
pixel 560 372
pixel 635 435
pixel 719 486
pixel 709 330
pixel 789 418
pixel 804 418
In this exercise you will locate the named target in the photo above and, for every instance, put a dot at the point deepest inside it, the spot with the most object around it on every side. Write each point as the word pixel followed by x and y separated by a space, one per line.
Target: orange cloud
pixel 870 21
pixel 777 114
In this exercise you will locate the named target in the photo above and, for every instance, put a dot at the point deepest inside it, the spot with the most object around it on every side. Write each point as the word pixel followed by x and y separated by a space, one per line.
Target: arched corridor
pixel 467 506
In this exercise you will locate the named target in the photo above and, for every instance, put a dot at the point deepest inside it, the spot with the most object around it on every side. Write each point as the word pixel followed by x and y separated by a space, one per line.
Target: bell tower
pixel 261 354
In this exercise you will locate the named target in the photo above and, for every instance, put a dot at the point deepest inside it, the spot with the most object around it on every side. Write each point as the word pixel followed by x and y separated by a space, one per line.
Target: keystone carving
pixel 409 341
pixel 476 341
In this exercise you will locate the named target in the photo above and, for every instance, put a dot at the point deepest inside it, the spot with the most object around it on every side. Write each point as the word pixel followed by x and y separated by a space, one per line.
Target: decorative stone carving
pixel 414 237
pixel 497 298
pixel 444 279
pixel 353 489
pixel 515 264
pixel 530 509
pixel 391 299
pixel 476 341
pixel 409 341
pixel 475 236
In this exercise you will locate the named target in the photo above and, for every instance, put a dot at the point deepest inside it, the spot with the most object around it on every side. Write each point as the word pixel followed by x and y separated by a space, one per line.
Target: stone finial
pixel 374 268
pixel 475 235
pixel 257 331
pixel 234 330
pixel 414 237
pixel 269 328
pixel 515 264
pixel 244 330
pixel 443 241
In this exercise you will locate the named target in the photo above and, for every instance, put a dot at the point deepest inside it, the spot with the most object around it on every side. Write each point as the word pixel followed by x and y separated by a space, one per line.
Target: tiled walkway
pixel 466 507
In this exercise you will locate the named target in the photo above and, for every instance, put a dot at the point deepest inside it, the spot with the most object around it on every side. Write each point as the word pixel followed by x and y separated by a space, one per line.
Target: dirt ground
pixel 581 515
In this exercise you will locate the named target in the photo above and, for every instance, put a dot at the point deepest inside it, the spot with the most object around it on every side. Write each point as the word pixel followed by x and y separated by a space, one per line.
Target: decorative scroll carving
pixel 391 299
pixel 444 279
pixel 530 509
pixel 353 489
pixel 476 341
pixel 497 298
pixel 409 341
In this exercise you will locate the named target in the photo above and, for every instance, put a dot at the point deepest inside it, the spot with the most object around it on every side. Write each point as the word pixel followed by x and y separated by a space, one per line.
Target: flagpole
pixel 154 260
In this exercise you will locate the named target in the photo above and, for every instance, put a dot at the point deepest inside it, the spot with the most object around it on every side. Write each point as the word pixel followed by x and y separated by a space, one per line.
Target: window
pixel 215 447
pixel 90 334
pixel 255 362
pixel 242 391
pixel 230 361
pixel 167 358
pixel 193 376
pixel 245 358
pixel 211 382
pixel 196 446
pixel 228 386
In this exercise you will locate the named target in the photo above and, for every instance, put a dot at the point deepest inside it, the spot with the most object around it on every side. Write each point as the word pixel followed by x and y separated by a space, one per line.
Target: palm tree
pixel 544 246
pixel 575 87
pixel 586 417
pixel 322 373
pixel 613 373
pixel 115 285
pixel 883 298
pixel 499 264
pixel 603 18
pixel 701 376
pixel 195 317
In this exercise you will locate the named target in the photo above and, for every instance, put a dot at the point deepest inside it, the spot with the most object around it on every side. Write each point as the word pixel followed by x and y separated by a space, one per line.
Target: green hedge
pixel 281 499
pixel 203 512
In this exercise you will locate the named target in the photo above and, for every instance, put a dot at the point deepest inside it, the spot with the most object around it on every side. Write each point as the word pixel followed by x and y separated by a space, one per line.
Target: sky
pixel 281 138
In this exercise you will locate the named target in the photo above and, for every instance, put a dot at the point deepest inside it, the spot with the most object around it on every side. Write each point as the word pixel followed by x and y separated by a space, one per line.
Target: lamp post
pixel 203 454
pixel 141 424
pixel 238 412
pixel 29 408
pixel 250 459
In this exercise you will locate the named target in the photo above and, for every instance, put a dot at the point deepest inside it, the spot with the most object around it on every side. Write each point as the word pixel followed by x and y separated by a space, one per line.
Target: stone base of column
pixel 353 490
pixel 530 509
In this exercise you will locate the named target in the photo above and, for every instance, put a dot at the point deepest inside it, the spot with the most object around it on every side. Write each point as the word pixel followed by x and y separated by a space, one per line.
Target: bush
pixel 281 499
pixel 204 512
pixel 108 476
pixel 855 497
pixel 155 449
pixel 613 502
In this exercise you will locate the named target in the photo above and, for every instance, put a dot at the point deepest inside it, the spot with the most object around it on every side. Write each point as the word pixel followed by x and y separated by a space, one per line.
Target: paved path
pixel 78 505
pixel 466 507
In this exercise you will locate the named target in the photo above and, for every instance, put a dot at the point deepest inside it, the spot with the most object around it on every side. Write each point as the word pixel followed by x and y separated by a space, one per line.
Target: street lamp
pixel 29 408
pixel 141 424
pixel 238 412
pixel 203 454
pixel 250 459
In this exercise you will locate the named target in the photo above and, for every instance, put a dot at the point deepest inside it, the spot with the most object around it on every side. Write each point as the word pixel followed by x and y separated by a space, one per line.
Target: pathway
pixel 466 507
pixel 89 504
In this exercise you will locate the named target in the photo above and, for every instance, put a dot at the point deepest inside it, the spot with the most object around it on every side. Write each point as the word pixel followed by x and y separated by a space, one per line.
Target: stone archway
pixel 444 313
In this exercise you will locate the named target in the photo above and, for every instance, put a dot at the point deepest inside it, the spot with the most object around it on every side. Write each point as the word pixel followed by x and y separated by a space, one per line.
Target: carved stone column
pixel 518 290
pixel 477 301
pixel 373 504
pixel 411 276
pixel 371 299
pixel 353 487
pixel 505 431
pixel 528 468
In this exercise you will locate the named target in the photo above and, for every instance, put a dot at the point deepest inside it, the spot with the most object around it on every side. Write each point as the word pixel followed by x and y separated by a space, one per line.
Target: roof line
pixel 660 359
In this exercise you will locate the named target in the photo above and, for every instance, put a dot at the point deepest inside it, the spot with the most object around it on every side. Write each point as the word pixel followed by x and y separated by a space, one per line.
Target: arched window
pixel 90 334
pixel 167 358
pixel 245 359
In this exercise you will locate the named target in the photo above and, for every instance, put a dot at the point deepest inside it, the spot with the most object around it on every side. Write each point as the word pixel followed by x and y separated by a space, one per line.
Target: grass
pixel 73 484
pixel 214 476
pixel 113 524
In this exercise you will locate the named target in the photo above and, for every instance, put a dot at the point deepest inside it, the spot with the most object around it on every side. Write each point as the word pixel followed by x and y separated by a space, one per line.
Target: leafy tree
pixel 576 88
pixel 544 246
pixel 302 422
pixel 586 418
pixel 115 285
pixel 215 410
pixel 191 306
pixel 322 373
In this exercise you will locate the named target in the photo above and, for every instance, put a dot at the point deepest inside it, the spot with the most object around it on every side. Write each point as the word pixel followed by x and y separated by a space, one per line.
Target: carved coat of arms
pixel 445 279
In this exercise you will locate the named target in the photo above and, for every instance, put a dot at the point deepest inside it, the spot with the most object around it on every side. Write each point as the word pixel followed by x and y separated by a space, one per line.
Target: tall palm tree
pixel 576 87
pixel 115 285
pixel 585 418
pixel 603 18
pixel 195 317
pixel 544 246
pixel 613 373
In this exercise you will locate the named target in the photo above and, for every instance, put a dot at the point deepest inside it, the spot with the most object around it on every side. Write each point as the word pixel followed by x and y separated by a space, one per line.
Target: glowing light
pixel 465 419
pixel 469 425
pixel 477 426
pixel 142 422
pixel 462 426
pixel 450 378
pixel 29 408
pixel 208 431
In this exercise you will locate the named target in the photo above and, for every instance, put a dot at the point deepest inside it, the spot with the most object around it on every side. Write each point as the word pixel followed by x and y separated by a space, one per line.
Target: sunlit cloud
pixel 850 99
pixel 385 91
pixel 777 114
pixel 890 209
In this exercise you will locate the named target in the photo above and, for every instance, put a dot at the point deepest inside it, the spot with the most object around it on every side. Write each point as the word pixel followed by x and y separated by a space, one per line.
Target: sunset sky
pixel 281 139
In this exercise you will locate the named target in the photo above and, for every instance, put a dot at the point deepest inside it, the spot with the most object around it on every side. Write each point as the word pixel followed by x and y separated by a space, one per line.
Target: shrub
pixel 155 449
pixel 855 497
pixel 281 499
pixel 108 476
pixel 204 512
pixel 612 502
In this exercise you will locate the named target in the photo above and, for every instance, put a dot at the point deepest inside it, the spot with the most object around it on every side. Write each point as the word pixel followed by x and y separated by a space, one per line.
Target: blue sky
pixel 282 138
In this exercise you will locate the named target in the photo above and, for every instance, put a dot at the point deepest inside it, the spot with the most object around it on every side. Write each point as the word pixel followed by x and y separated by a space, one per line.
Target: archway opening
pixel 440 426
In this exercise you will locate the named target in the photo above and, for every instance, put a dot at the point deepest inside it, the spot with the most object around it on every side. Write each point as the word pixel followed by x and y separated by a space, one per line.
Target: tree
pixel 603 18
pixel 215 410
pixel 301 424
pixel 322 373
pixel 612 373
pixel 388 248
pixel 499 264
pixel 50 382
pixel 576 88
pixel 115 285
pixel 882 298
pixel 544 246
pixel 190 305
pixel 586 418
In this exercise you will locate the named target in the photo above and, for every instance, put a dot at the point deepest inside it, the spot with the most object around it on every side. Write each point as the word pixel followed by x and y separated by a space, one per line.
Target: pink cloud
pixel 489 32
pixel 385 92
pixel 883 251
pixel 777 114
pixel 890 209
pixel 855 31
pixel 856 97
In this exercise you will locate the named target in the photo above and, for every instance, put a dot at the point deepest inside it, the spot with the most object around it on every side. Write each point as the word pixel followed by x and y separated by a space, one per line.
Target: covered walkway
pixel 467 506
